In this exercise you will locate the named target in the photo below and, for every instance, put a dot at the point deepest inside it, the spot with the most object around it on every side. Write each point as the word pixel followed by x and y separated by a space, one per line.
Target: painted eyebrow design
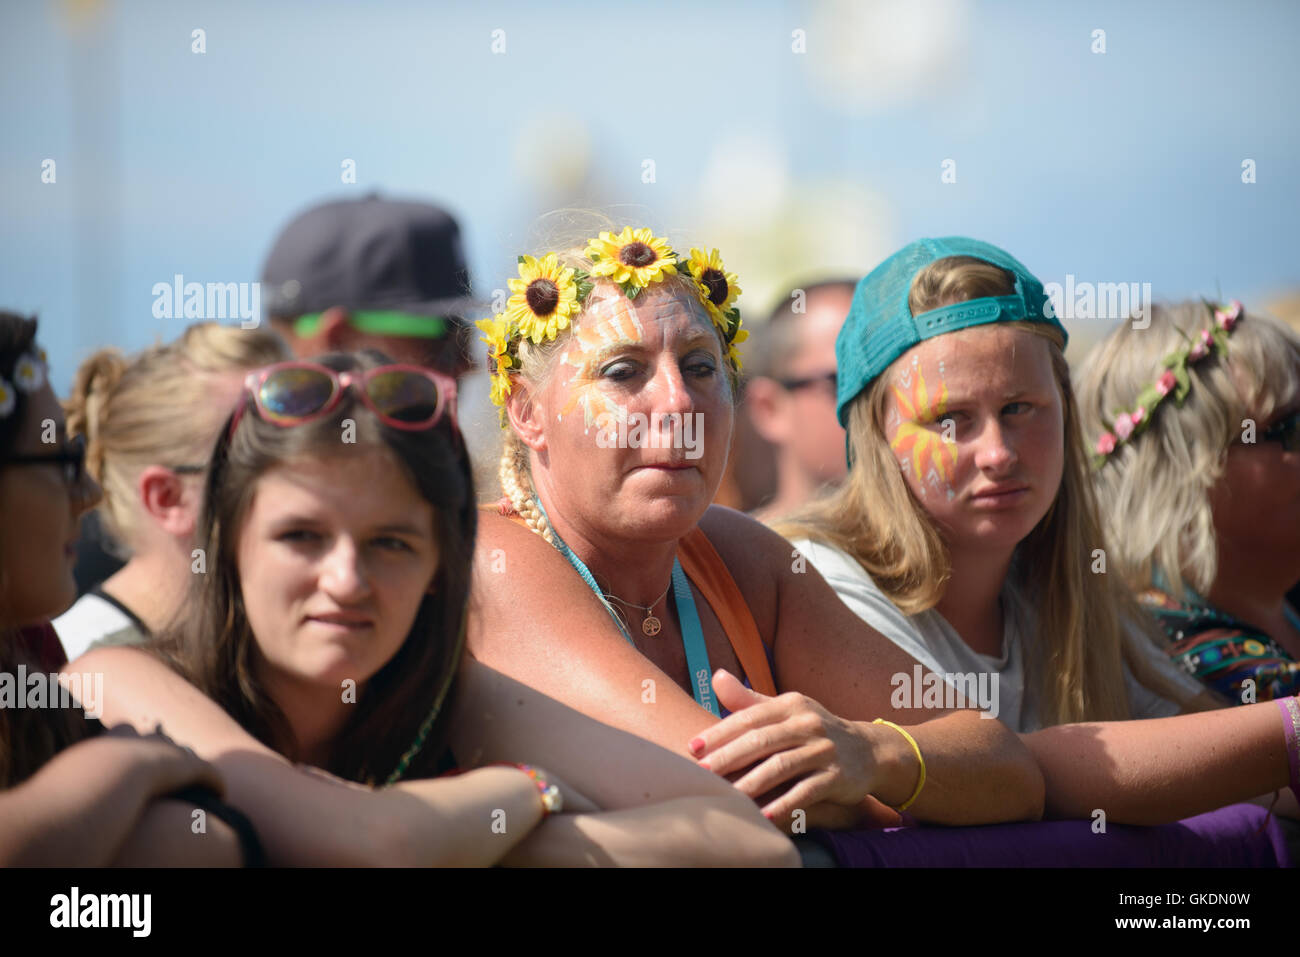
pixel 605 353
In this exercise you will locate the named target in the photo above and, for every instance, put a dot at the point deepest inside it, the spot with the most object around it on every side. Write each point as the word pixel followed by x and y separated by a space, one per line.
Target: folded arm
pixel 661 809
pixel 94 804
pixel 311 818
pixel 684 832
pixel 977 771
pixel 1163 769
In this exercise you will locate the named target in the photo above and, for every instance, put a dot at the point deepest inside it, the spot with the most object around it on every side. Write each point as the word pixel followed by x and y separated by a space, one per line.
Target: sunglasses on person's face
pixel 791 385
pixel 1286 431
pixel 71 459
pixel 402 396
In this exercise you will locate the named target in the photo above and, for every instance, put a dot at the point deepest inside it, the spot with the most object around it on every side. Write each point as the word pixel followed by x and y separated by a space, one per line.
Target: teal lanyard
pixel 697 655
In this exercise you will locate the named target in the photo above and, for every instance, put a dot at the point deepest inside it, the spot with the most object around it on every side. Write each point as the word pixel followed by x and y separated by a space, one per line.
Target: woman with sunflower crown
pixel 623 338
pixel 636 525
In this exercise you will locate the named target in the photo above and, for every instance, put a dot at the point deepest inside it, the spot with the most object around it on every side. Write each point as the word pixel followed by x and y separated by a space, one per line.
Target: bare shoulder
pixel 517 569
pixel 500 540
pixel 730 529
pixel 756 557
pixel 495 527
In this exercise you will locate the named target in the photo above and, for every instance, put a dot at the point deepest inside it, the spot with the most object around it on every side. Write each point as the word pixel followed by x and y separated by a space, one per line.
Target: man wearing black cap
pixel 372 273
pixel 355 274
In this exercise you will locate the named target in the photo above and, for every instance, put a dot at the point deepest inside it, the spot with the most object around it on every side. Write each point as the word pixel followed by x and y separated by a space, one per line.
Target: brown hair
pixel 212 646
pixel 774 344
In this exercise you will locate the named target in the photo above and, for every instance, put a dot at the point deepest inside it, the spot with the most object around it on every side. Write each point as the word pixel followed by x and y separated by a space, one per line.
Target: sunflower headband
pixel 1173 381
pixel 29 375
pixel 547 296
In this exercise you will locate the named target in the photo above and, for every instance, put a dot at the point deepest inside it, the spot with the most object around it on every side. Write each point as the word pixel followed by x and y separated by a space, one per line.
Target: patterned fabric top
pixel 1222 651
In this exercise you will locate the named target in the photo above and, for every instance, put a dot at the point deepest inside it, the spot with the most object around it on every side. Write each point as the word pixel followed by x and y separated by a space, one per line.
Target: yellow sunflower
pixel 733 354
pixel 635 257
pixel 498 343
pixel 718 288
pixel 545 298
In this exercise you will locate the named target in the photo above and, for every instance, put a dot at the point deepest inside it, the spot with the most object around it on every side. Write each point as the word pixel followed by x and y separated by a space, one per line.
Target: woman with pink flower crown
pixel 1197 467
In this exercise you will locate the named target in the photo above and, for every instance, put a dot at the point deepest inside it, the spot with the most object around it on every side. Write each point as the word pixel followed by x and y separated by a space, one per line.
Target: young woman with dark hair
pixel 325 631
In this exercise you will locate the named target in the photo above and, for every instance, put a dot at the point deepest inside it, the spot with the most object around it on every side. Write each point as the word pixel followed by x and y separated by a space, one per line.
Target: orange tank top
pixel 707 572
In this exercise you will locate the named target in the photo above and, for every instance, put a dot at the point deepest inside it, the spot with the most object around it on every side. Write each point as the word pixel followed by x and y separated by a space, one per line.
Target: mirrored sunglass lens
pixel 1291 434
pixel 291 393
pixel 404 396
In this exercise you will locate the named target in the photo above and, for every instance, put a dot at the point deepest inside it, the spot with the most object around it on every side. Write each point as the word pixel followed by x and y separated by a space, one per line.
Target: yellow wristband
pixel 912 741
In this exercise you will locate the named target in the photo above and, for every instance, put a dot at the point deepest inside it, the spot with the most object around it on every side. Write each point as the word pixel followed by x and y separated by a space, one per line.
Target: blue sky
pixel 1119 166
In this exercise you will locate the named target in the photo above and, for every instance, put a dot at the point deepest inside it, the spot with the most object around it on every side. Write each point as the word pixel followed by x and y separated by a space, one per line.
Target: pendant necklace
pixel 651 626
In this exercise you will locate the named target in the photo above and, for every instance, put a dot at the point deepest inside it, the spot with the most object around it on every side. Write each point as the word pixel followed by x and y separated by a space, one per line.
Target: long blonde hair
pixel 1074 662
pixel 1156 488
pixel 156 408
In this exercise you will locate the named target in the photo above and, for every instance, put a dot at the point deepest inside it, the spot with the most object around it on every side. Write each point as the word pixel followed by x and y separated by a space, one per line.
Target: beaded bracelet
pixel 552 799
pixel 1291 725
pixel 915 747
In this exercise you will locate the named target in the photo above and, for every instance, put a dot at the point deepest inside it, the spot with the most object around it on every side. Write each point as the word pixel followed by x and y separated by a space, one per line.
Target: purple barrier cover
pixel 1240 835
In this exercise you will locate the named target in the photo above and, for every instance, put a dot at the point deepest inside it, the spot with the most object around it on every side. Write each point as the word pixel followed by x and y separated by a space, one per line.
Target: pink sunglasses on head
pixel 402 396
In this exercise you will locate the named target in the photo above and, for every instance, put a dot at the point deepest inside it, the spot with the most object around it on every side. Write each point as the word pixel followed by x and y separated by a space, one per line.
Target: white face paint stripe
pixel 606 329
pixel 636 323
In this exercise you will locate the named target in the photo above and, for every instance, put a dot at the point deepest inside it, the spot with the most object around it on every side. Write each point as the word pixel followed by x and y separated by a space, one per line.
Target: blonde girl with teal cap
pixel 968 534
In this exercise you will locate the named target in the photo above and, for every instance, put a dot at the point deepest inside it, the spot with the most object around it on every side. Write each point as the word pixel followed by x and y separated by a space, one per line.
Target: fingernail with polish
pixel 696 745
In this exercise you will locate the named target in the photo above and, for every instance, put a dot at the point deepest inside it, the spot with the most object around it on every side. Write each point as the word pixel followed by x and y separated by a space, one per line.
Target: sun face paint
pixel 928 455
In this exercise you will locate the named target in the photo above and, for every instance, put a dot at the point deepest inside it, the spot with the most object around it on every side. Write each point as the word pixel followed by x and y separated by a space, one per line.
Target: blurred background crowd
pixel 1112 143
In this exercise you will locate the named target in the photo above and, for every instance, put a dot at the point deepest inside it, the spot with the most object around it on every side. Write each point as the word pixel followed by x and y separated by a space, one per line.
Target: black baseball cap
pixel 397 267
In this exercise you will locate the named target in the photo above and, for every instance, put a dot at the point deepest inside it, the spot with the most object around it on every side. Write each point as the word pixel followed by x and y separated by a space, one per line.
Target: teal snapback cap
pixel 880 326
